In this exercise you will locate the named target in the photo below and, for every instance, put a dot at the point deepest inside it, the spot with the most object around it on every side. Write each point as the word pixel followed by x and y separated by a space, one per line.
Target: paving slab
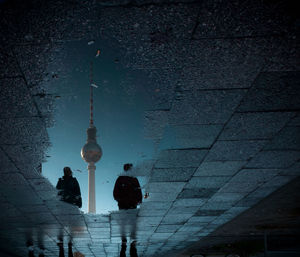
pixel 243 126
pixel 273 91
pixel 219 168
pixel 197 193
pixel 205 107
pixel 171 175
pixel 23 105
pixel 274 159
pixel 189 136
pixel 284 141
pixel 207 182
pixel 234 150
pixel 180 158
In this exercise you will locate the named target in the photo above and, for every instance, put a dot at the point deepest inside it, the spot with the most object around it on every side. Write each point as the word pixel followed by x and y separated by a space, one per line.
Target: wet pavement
pixel 224 118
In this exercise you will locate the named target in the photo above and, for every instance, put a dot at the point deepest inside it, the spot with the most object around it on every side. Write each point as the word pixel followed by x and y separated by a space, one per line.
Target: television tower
pixel 91 152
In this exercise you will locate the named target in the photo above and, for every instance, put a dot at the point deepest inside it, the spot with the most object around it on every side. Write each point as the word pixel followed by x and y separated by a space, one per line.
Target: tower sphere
pixel 91 152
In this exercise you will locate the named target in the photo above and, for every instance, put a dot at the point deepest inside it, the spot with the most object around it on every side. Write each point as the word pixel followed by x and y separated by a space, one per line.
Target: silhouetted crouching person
pixel 127 190
pixel 69 189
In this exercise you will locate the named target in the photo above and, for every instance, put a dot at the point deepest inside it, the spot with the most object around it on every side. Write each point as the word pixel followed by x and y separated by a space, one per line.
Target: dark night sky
pixel 119 102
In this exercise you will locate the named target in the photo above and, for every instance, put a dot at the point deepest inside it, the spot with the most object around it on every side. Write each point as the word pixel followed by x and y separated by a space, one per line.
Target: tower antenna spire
pixel 91 96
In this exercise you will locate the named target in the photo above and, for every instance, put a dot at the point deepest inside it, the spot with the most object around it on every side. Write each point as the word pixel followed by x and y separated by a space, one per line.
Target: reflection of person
pixel 127 190
pixel 69 189
pixel 31 250
pixel 133 251
pixel 61 249
pixel 128 194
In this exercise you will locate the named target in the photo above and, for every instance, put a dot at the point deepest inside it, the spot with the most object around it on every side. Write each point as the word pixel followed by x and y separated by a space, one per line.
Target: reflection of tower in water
pixel 91 152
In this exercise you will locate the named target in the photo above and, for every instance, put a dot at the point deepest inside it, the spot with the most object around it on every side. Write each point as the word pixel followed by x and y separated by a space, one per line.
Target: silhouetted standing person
pixel 69 189
pixel 127 190
pixel 128 194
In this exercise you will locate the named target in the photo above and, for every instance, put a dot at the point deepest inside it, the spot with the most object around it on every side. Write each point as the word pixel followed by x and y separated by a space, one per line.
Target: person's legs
pixel 30 253
pixel 61 249
pixel 70 251
pixel 30 249
pixel 123 248
pixel 41 254
pixel 133 251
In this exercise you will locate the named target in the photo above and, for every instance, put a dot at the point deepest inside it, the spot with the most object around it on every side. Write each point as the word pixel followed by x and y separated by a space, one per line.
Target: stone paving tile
pixel 176 219
pixel 261 192
pixel 165 187
pixel 278 181
pixel 161 197
pixel 207 182
pixel 247 126
pixel 8 64
pixel 167 228
pixel 206 212
pixel 6 164
pixel 217 205
pixel 21 195
pixel 226 197
pixel 202 219
pixel 22 106
pixel 143 168
pixel 244 55
pixel 283 57
pixel 149 206
pixel 155 122
pixel 182 210
pixel 9 179
pixel 219 168
pixel 254 176
pixel 27 158
pixel 153 213
pixel 274 159
pixel 171 175
pixel 241 187
pixel 284 141
pixel 205 107
pixel 236 25
pixel 295 121
pixel 292 170
pixel 273 91
pixel 247 202
pixel 180 158
pixel 234 150
pixel 22 131
pixel 190 227
pixel 189 136
pixel 189 202
pixel 197 193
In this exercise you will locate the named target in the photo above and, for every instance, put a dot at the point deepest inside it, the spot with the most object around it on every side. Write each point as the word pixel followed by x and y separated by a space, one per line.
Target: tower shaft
pixel 92 195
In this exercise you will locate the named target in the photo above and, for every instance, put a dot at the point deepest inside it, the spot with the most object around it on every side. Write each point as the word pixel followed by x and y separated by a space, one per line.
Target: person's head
pixel 127 166
pixel 67 172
